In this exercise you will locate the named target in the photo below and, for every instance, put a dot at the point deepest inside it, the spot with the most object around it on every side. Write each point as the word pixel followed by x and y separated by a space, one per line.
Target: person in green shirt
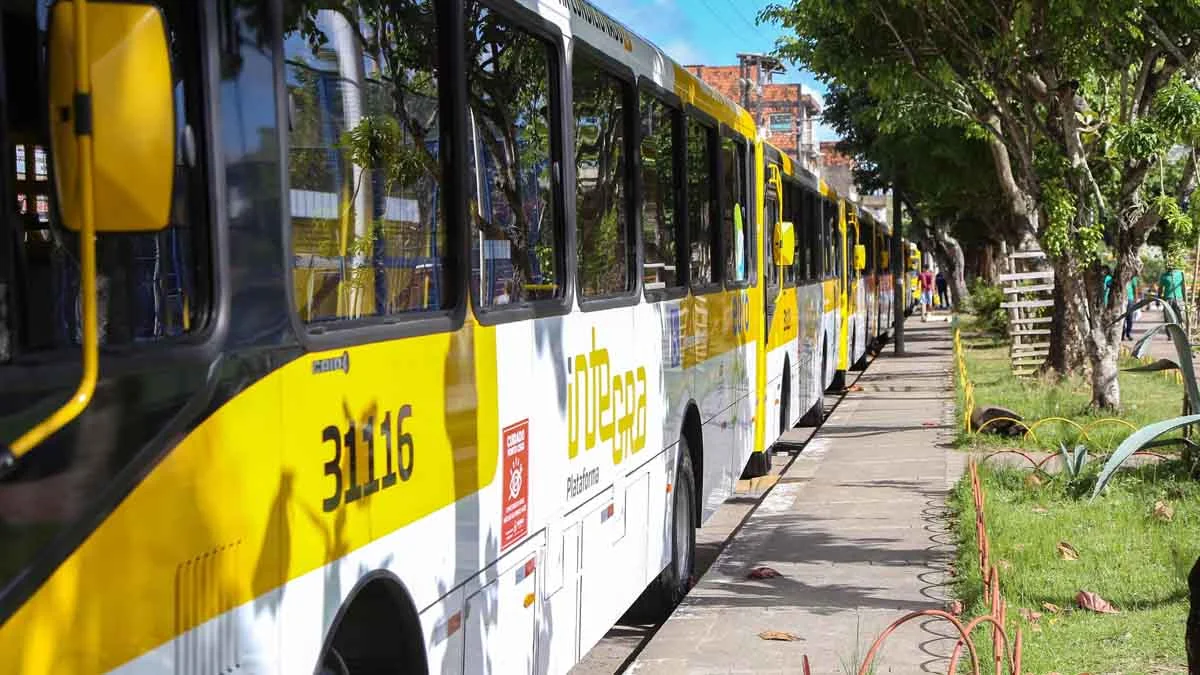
pixel 1170 288
pixel 1130 298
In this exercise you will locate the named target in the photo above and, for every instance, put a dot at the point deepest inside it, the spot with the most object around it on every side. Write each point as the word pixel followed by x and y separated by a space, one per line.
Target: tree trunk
pixel 1103 350
pixel 1068 341
pixel 957 282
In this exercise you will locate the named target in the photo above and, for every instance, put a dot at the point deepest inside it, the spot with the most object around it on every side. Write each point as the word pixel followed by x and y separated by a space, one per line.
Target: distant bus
pixel 425 334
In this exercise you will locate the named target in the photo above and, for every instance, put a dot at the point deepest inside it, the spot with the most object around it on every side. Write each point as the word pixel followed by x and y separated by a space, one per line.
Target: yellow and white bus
pixel 375 337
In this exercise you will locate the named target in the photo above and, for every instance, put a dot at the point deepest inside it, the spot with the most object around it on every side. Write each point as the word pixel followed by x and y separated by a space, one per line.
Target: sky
pixel 710 32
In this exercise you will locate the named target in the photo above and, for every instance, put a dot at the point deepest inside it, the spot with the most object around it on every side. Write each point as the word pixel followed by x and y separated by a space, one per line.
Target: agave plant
pixel 1073 460
pixel 1149 435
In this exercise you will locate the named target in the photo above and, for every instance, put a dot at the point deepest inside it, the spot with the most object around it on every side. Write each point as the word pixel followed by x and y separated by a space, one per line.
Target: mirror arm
pixel 75 405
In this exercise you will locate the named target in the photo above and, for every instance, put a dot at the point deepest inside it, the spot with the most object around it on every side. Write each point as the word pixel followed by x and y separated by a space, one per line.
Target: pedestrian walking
pixel 926 280
pixel 1130 300
pixel 943 294
pixel 1170 289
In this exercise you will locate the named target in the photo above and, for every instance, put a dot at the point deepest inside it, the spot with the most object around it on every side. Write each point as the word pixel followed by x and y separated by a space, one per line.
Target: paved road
pixel 625 642
pixel 858 530
pixel 620 646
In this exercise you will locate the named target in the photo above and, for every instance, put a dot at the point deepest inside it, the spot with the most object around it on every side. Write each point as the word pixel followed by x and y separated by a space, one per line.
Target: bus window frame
pixel 789 185
pixel 830 233
pixel 692 113
pixel 60 367
pixel 560 83
pixel 683 245
pixel 749 223
pixel 631 107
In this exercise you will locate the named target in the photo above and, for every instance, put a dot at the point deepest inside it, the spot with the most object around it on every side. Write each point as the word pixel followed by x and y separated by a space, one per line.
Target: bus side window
pixel 602 216
pixel 368 232
pixel 701 200
pixel 151 286
pixel 661 125
pixel 791 272
pixel 735 221
pixel 517 251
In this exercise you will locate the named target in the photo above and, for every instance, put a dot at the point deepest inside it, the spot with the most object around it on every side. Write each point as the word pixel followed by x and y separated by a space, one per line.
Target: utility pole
pixel 899 266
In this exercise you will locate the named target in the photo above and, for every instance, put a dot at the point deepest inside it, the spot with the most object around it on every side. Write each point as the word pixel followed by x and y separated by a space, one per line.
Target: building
pixel 838 170
pixel 783 111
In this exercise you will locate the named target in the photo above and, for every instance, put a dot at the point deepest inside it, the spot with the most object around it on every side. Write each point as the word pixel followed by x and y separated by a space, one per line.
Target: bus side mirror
pixel 131 116
pixel 784 246
pixel 860 257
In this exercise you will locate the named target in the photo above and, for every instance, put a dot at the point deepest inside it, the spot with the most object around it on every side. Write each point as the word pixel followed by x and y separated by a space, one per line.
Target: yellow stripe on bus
pixel 239 506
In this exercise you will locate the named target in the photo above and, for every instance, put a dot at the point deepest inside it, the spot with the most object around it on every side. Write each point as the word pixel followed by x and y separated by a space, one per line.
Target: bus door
pixel 843 288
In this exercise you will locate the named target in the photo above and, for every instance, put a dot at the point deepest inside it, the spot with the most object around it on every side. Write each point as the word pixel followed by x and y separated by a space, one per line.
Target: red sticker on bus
pixel 515 521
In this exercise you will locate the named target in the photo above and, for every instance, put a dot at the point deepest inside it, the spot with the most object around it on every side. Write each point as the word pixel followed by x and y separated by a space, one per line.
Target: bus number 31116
pixel 398 465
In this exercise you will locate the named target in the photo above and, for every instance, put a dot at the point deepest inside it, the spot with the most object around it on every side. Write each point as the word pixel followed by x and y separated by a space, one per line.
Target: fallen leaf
pixel 1041 509
pixel 1051 607
pixel 956 608
pixel 930 425
pixel 1033 481
pixel 1004 565
pixel 763 573
pixel 777 635
pixel 1030 615
pixel 1018 547
pixel 854 387
pixel 1067 551
pixel 1092 601
pixel 1163 511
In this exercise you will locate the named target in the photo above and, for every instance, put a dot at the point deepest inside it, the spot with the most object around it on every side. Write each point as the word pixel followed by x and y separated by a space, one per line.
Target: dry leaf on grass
pixel 1093 602
pixel 1067 552
pixel 1051 607
pixel 763 573
pixel 1030 615
pixel 1019 547
pixel 1004 565
pixel 1041 509
pixel 1163 511
pixel 777 635
pixel 956 608
pixel 1032 481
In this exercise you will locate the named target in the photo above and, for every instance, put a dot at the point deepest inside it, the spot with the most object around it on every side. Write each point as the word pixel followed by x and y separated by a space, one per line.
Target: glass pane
pixel 700 201
pixel 368 232
pixel 514 243
pixel 658 195
pixel 150 286
pixel 770 220
pixel 600 160
pixel 734 221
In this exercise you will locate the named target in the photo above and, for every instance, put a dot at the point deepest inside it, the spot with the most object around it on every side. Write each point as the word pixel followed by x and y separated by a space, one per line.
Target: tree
pixel 940 171
pixel 1077 101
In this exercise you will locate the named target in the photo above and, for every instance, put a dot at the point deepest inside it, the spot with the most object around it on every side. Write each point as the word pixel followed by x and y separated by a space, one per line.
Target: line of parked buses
pixel 427 333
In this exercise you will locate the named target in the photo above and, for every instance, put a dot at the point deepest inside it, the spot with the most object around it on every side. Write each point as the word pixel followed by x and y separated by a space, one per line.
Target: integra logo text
pixel 332 364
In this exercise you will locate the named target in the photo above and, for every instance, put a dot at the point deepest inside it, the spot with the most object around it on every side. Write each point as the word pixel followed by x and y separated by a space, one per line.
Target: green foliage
pixel 1128 555
pixel 990 369
pixel 985 304
pixel 1074 460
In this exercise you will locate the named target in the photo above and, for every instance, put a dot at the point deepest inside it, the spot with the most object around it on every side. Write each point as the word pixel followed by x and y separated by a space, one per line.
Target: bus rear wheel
pixel 668 589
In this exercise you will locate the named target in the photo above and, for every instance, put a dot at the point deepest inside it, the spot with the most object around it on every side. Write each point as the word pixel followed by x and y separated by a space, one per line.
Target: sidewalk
pixel 856 526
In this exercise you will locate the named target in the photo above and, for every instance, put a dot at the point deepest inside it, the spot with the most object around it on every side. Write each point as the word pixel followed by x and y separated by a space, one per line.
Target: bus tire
pixel 669 587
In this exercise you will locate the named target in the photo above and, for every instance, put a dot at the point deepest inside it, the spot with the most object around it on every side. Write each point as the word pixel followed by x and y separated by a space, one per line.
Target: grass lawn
pixel 1147 397
pixel 1129 556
